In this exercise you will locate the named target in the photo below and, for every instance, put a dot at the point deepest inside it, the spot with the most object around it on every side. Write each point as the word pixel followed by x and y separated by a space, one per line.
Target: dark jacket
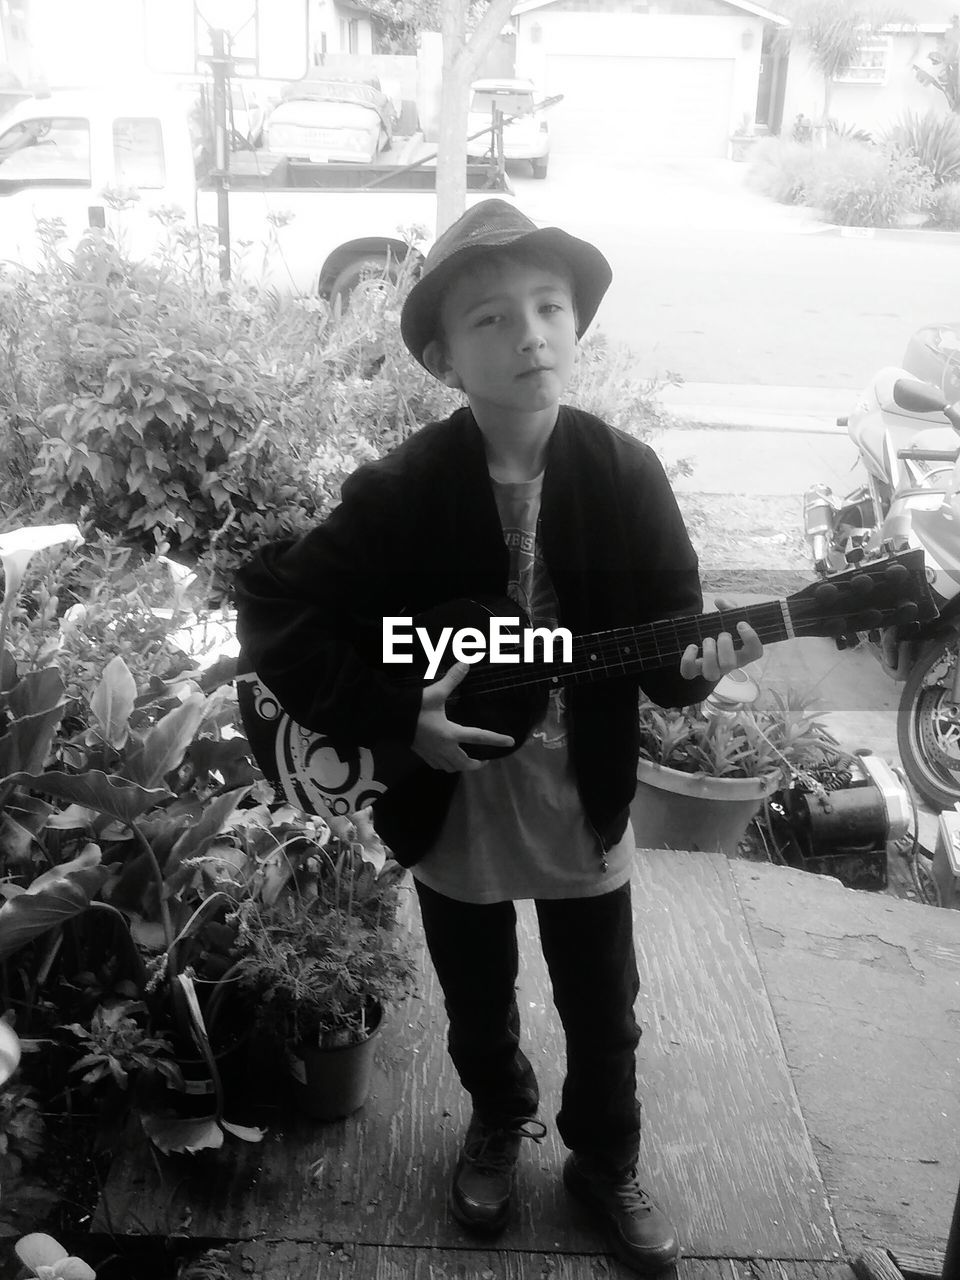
pixel 420 527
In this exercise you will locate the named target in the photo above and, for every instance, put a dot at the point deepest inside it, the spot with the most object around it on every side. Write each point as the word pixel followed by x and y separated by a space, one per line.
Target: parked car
pixel 320 120
pixel 525 138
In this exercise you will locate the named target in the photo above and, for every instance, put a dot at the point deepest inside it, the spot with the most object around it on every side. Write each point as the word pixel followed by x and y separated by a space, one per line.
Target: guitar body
pixel 320 774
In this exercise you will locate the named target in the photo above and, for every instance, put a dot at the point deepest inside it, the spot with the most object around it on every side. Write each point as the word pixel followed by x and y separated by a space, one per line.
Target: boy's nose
pixel 531 338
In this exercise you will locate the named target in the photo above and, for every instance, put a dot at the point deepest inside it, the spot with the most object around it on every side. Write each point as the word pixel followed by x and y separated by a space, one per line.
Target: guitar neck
pixel 653 645
pixel 604 655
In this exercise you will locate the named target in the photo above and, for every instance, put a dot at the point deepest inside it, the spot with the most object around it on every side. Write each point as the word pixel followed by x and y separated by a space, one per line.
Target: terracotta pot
pixel 332 1083
pixel 675 810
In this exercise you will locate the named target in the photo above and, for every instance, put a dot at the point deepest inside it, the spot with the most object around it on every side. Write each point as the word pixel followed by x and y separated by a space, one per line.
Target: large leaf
pixel 196 838
pixel 30 812
pixel 113 701
pixel 9 1052
pixel 116 797
pixel 16 842
pixel 170 1133
pixel 36 706
pixel 165 743
pixel 38 691
pixel 39 1250
pixel 55 897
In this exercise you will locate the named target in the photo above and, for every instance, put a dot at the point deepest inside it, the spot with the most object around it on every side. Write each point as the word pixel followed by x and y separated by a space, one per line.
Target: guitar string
pixel 609 653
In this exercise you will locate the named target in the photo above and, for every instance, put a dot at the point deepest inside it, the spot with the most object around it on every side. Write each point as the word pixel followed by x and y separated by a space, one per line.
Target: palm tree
pixel 833 32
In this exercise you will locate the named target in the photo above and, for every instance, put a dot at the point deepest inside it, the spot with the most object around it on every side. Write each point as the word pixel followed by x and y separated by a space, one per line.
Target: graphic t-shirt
pixel 516 828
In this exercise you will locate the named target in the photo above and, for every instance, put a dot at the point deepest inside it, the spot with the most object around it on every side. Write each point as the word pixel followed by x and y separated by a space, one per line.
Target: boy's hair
pixel 494 226
pixel 520 254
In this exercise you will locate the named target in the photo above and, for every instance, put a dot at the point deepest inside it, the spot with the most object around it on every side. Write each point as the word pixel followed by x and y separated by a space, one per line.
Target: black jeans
pixel 588 947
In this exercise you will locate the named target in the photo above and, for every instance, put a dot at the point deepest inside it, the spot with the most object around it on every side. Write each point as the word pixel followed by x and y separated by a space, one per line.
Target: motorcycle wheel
pixel 928 725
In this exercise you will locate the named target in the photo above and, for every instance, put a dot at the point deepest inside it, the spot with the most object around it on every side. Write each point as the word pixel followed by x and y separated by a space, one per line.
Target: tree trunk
pixel 454 104
pixel 461 60
pixel 824 127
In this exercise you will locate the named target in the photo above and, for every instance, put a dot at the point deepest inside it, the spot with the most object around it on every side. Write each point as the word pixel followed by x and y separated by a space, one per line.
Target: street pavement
pixel 759 440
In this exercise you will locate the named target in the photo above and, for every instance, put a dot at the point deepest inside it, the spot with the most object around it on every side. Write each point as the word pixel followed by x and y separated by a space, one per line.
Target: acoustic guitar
pixel 321 774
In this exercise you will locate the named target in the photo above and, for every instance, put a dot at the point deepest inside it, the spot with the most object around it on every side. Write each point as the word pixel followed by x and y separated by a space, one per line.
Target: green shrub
pixel 83 606
pixel 943 208
pixel 852 182
pixel 782 169
pixel 149 402
pixel 860 186
pixel 934 139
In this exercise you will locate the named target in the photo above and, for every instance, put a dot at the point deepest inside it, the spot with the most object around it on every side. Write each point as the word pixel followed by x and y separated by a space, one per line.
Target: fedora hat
pixel 490 225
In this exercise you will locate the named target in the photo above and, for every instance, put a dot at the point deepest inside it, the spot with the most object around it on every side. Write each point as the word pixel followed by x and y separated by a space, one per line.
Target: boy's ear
pixel 436 360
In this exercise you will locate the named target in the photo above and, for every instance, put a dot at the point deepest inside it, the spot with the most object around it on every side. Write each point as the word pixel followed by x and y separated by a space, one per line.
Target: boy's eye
pixel 489 319
pixel 552 306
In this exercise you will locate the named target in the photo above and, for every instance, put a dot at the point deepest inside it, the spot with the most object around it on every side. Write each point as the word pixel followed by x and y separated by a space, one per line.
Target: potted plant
pixel 745 138
pixel 704 770
pixel 324 958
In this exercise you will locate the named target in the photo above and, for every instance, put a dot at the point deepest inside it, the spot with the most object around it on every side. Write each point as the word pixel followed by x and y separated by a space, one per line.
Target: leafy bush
pixel 861 186
pixel 852 182
pixel 147 401
pixel 848 132
pixel 934 139
pixel 943 208
pixel 83 606
pixel 783 169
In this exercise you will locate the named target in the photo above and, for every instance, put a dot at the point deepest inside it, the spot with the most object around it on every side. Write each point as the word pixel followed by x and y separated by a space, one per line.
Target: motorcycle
pixel 908 438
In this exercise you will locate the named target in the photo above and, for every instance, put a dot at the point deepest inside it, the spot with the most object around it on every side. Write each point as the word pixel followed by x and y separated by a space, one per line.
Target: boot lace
pixel 630 1195
pixel 494 1148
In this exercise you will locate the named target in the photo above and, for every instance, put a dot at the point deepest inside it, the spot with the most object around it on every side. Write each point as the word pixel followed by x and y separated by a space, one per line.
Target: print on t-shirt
pixel 531 588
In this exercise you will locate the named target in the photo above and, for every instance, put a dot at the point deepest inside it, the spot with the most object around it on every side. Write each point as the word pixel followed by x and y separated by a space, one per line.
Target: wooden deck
pixel 799 1069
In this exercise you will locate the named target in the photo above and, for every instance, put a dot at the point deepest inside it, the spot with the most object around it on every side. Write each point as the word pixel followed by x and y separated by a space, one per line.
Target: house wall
pixel 868 106
pixel 542 32
pixel 327 33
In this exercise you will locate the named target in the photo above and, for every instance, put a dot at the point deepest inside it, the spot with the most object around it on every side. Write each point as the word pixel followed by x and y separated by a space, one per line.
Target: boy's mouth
pixel 537 368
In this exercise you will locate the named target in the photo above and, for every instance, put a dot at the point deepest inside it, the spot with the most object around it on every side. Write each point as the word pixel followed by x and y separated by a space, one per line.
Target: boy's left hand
pixel 716 657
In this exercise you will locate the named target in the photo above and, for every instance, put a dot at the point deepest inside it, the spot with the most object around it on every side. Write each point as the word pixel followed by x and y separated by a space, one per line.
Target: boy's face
pixel 509 338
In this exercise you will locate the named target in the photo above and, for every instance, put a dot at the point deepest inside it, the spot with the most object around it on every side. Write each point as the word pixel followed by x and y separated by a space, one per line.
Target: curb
pixel 756 407
pixel 704 417
pixel 889 233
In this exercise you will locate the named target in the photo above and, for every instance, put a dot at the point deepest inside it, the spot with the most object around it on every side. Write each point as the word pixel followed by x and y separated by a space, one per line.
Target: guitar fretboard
pixel 602 655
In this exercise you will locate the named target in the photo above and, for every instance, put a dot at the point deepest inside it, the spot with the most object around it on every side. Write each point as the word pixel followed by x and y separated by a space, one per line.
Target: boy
pixel 514 493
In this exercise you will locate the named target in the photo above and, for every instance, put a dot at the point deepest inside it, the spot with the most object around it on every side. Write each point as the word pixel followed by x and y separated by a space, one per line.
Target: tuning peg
pixel 862 584
pixel 827 595
pixel 906 614
pixel 870 620
pixel 897 573
pixel 847 640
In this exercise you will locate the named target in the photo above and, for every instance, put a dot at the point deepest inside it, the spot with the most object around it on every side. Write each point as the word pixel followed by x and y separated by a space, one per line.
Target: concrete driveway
pixel 667 193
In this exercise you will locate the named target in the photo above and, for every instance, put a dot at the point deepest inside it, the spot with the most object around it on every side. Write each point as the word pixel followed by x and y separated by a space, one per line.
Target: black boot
pixel 637 1230
pixel 483 1183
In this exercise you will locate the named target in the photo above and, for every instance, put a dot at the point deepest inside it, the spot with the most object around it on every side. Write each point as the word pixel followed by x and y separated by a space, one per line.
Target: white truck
pixel 299 226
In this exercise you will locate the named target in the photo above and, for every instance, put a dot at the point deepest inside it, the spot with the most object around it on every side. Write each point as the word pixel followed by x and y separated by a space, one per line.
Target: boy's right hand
pixel 437 740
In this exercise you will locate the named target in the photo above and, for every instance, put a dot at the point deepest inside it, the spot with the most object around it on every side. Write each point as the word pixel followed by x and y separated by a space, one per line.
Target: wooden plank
pixel 725 1146
pixel 866 992
pixel 285 1260
pixel 727 1140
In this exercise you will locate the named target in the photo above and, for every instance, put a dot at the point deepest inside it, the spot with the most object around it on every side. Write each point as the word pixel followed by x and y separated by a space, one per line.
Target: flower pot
pixel 332 1083
pixel 675 810
pixel 199 1093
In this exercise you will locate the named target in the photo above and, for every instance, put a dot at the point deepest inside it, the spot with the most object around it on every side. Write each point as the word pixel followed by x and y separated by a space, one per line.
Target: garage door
pixel 617 107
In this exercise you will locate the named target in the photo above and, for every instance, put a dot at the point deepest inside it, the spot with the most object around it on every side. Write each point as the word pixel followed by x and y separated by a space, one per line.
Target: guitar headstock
pixel 892 591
